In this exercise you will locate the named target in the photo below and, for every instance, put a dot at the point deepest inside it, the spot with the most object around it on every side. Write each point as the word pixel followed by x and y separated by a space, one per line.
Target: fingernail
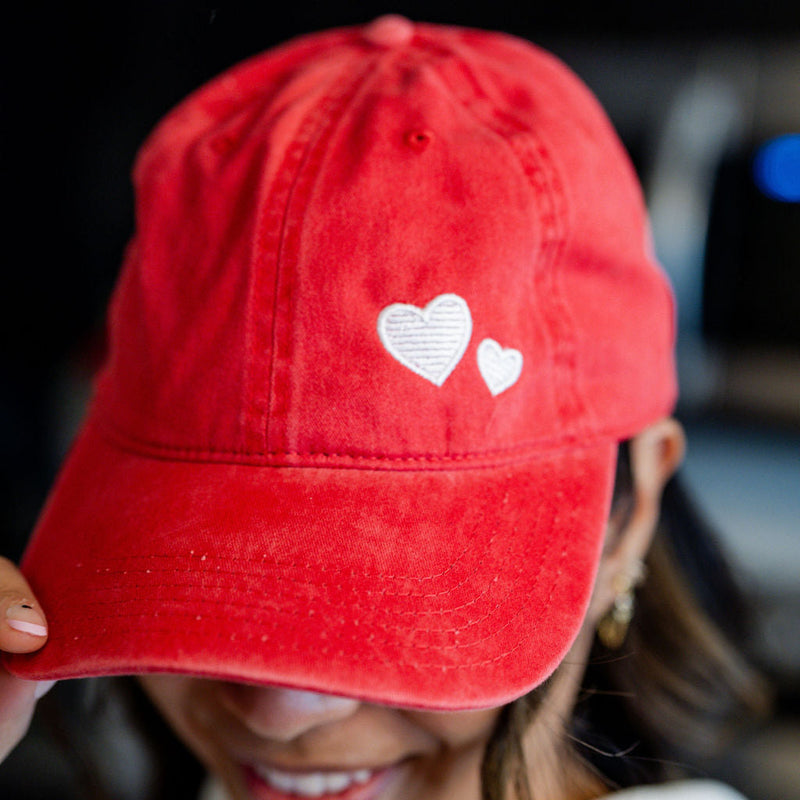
pixel 25 618
pixel 42 688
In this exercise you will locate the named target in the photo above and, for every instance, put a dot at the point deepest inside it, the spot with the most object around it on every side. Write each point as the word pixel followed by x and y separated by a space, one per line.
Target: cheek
pixel 458 729
pixel 175 697
pixel 169 693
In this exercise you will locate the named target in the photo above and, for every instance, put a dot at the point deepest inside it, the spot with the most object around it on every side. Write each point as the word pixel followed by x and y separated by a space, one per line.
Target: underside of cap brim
pixel 430 588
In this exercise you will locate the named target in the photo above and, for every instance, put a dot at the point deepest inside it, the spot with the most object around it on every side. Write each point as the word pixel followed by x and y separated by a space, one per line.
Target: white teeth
pixel 337 783
pixel 362 775
pixel 311 784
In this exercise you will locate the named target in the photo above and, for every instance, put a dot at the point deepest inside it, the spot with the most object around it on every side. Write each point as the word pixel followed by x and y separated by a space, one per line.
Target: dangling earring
pixel 613 627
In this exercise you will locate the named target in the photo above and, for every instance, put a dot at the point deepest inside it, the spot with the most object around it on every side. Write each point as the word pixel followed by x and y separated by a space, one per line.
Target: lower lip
pixel 373 789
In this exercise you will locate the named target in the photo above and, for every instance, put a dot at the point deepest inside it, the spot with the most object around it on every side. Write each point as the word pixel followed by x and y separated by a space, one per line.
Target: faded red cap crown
pixel 387 312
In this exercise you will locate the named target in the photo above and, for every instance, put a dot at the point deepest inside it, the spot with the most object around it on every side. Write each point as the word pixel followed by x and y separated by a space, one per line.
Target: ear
pixel 655 455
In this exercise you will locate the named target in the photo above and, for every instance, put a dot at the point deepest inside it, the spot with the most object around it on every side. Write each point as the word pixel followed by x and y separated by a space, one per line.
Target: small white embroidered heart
pixel 500 367
pixel 429 341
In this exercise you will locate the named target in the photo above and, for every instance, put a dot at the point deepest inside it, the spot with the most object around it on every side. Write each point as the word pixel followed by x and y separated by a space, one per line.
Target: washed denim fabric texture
pixel 388 309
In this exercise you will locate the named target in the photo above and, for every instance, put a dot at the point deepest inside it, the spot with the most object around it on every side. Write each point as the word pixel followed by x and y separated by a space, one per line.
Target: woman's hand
pixel 23 629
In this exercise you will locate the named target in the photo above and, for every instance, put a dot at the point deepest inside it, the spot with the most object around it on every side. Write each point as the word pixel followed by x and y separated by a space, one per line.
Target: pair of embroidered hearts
pixel 431 341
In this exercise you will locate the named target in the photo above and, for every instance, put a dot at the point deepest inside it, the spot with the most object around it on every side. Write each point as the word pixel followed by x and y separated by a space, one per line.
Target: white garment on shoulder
pixel 679 790
pixel 213 790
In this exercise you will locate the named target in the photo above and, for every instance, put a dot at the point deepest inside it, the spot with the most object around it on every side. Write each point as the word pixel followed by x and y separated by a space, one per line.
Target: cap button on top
pixel 390 30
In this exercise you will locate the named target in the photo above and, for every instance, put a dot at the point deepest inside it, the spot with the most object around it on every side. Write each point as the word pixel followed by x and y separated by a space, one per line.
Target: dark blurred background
pixel 706 95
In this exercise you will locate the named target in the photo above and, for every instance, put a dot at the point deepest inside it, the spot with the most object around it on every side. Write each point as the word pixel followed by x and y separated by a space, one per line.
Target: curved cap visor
pixel 440 589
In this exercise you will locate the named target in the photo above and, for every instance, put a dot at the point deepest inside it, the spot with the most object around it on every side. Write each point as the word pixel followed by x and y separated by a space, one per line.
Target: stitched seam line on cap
pixel 339 574
pixel 329 115
pixel 282 565
pixel 323 604
pixel 543 176
pixel 518 454
pixel 357 636
pixel 323 651
pixel 326 609
pixel 320 603
pixel 312 129
pixel 271 562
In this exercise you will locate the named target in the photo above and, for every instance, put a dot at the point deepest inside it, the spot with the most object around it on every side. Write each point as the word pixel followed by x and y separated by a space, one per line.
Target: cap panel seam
pixel 271 232
pixel 539 168
pixel 330 113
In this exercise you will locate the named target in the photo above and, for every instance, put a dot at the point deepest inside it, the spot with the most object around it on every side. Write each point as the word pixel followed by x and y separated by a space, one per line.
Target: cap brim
pixel 440 589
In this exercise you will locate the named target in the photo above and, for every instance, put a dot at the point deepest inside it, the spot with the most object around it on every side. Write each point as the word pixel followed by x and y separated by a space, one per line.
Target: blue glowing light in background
pixel 776 168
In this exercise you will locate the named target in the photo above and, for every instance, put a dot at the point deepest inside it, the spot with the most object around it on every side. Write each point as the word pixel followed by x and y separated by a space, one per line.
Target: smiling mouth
pixel 270 783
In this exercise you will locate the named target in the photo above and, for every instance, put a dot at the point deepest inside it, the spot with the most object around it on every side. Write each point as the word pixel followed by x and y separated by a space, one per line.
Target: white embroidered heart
pixel 500 367
pixel 429 341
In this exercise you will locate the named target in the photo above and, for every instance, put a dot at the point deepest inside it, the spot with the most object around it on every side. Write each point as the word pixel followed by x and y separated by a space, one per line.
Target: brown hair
pixel 678 690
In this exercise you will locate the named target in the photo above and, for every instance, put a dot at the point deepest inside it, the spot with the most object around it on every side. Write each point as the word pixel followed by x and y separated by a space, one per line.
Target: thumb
pixel 23 627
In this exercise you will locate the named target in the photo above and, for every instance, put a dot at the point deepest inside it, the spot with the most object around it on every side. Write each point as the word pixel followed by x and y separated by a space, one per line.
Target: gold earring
pixel 613 627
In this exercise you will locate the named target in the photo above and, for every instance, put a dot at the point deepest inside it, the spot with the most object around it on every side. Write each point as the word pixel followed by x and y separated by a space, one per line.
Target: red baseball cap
pixel 388 310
